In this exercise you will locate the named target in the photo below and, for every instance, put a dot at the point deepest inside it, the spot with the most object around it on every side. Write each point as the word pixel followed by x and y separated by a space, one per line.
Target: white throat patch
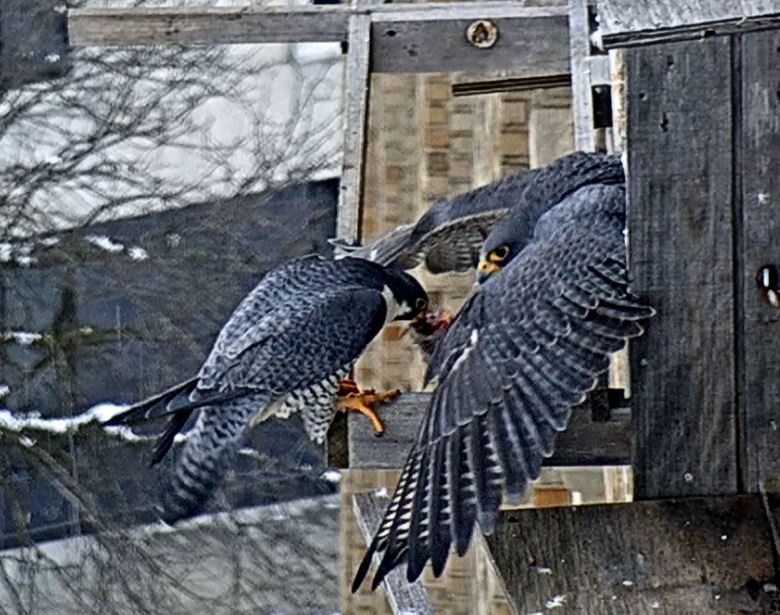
pixel 393 307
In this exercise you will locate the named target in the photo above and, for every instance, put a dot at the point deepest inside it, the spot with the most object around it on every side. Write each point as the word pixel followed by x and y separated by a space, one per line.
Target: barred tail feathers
pixel 206 457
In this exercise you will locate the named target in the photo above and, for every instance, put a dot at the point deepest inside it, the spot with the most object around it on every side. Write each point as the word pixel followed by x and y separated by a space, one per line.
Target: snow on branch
pixel 11 422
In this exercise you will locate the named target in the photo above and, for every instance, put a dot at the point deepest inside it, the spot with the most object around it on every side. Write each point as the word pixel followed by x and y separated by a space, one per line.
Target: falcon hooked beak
pixel 485 269
pixel 493 261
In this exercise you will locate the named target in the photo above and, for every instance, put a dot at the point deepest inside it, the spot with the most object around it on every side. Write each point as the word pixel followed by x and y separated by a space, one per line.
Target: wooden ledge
pixel 585 442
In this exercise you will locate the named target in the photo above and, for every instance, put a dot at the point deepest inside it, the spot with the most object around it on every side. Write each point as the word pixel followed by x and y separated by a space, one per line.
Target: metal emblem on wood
pixel 482 34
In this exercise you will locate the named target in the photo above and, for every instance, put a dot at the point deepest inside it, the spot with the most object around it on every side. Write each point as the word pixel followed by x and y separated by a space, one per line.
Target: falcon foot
pixel 352 399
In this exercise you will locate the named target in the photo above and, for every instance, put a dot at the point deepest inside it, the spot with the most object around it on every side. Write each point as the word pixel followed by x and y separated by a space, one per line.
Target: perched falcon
pixel 524 349
pixel 284 349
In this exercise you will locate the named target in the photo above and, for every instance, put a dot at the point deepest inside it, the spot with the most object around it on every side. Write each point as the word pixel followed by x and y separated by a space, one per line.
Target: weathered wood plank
pixel 357 85
pixel 264 24
pixel 207 25
pixel 529 43
pixel 585 442
pixel 680 230
pixel 759 342
pixel 405 598
pixel 684 557
pixel 627 22
pixel 582 100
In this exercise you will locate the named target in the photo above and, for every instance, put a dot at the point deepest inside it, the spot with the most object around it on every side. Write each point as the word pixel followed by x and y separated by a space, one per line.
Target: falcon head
pixel 408 300
pixel 500 247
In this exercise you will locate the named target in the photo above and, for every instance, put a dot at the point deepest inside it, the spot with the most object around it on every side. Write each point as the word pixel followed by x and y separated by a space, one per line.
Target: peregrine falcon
pixel 525 348
pixel 450 235
pixel 284 349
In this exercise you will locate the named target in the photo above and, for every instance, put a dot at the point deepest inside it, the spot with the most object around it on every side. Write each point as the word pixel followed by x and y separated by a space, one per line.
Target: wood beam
pixel 758 226
pixel 531 37
pixel 682 261
pixel 585 442
pixel 404 597
pixel 627 23
pixel 690 556
pixel 531 42
pixel 357 92
pixel 207 26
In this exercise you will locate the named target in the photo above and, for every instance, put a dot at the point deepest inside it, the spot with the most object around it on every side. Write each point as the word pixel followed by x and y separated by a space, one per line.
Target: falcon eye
pixel 499 254
pixel 420 303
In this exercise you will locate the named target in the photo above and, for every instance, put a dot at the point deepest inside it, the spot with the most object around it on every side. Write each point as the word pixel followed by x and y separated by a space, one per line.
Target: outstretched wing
pixel 524 350
pixel 444 239
pixel 391 248
pixel 448 237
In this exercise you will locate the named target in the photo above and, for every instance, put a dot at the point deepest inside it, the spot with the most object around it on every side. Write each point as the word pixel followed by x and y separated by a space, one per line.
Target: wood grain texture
pixel 264 24
pixel 685 557
pixel 584 443
pixel 628 22
pixel 681 257
pixel 759 346
pixel 582 100
pixel 356 90
pixel 528 45
pixel 208 25
pixel 405 598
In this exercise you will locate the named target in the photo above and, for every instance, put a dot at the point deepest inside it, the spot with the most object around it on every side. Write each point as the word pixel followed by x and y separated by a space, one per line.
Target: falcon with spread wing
pixel 449 236
pixel 284 349
pixel 524 349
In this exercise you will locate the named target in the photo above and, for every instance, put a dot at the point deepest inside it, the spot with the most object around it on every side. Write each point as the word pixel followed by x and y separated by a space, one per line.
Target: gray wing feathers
pixel 455 245
pixel 521 353
pixel 392 248
pixel 443 245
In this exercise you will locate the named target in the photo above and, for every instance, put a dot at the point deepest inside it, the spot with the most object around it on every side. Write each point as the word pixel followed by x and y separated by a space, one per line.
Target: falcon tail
pixel 207 454
pixel 155 406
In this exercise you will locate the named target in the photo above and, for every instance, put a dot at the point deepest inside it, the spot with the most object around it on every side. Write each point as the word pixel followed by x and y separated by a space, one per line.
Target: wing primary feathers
pixel 468 508
pixel 396 544
pixel 419 523
pixel 508 451
pixel 384 535
pixel 487 494
pixel 438 516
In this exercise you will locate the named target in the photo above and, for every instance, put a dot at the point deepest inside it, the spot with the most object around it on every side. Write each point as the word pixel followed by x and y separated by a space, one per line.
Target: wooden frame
pixel 626 23
pixel 701 171
pixel 586 442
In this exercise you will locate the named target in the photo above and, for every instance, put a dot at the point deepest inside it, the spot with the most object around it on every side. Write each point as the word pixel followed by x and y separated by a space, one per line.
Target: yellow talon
pixel 354 400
